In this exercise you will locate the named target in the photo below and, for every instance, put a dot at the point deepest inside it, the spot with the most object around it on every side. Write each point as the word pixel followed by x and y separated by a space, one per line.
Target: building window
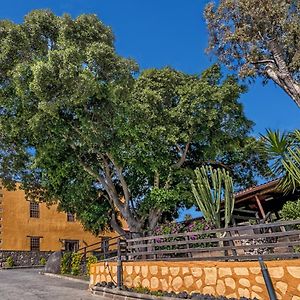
pixel 34 243
pixel 34 209
pixel 71 245
pixel 70 217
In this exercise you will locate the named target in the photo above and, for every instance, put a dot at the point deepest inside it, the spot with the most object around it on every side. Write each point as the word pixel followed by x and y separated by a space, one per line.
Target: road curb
pixel 64 277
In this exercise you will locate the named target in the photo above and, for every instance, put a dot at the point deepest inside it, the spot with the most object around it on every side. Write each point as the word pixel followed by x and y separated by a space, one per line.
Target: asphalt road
pixel 28 284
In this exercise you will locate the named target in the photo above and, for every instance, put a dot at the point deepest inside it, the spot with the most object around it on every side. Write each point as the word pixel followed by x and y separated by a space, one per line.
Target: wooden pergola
pixel 260 201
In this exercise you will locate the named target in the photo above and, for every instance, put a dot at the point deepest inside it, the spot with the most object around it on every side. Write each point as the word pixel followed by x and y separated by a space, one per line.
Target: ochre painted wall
pixel 230 279
pixel 52 226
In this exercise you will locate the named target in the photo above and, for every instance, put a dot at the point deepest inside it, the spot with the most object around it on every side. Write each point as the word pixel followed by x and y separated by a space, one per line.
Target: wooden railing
pixel 106 249
pixel 271 241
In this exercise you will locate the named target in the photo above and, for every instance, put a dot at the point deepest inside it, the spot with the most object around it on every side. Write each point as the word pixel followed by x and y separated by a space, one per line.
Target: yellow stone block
pixel 278 296
pixel 296 298
pixel 188 281
pixel 145 271
pixel 256 288
pixel 164 270
pixel 137 281
pixel 101 269
pixel 197 272
pixel 241 271
pixel 233 295
pixel 298 288
pixel 146 283
pixel 230 282
pixel 129 270
pixel 185 270
pixel 281 286
pixel 210 276
pixel 153 270
pixel 98 278
pixel 255 270
pixel 154 283
pixel 224 272
pixel 164 284
pixel 114 269
pixel 177 283
pixel 245 282
pixel 254 295
pixel 199 283
pixel 276 272
pixel 209 290
pixel 102 277
pixel 128 281
pixel 220 288
pixel 259 279
pixel 137 269
pixel 174 271
pixel 294 271
pixel 244 292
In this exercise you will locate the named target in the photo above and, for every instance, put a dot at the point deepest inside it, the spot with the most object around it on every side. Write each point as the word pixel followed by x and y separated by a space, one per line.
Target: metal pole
pixel 84 260
pixel 267 279
pixel 119 267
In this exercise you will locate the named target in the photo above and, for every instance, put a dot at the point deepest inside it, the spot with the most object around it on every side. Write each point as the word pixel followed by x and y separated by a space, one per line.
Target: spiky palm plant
pixel 284 152
pixel 211 187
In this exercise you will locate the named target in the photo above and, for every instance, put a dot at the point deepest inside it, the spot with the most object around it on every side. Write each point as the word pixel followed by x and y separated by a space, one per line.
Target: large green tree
pixel 79 125
pixel 258 38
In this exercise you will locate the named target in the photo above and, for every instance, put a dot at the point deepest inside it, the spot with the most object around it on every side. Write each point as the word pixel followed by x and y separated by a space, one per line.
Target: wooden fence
pixel 269 241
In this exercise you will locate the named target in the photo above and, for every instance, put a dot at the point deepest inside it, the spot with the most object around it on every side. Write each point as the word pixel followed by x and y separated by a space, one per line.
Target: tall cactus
pixel 212 186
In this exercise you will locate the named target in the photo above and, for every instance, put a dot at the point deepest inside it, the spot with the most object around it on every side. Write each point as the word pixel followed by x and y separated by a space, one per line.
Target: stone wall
pixel 23 258
pixel 231 279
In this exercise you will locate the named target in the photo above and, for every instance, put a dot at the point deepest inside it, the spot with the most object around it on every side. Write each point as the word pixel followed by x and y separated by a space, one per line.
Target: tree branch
pixel 124 185
pixel 183 155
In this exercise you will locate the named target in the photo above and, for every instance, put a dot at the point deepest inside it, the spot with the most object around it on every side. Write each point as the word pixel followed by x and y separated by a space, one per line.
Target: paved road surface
pixel 28 284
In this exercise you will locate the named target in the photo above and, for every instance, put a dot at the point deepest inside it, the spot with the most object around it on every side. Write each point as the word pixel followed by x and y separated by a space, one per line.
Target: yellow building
pixel 31 226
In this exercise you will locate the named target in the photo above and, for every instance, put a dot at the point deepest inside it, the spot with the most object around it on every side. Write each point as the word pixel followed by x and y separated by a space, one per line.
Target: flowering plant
pixel 173 228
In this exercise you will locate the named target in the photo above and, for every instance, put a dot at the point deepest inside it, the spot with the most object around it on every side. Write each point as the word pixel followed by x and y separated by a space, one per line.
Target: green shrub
pixel 291 210
pixel 76 263
pixel 9 262
pixel 65 265
pixel 90 260
pixel 43 261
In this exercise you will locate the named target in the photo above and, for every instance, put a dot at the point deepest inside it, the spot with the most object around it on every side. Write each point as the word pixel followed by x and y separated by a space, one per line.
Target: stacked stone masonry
pixel 231 279
pixel 23 258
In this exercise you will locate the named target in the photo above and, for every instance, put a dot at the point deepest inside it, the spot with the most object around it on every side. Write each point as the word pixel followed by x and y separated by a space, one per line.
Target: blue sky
pixel 157 33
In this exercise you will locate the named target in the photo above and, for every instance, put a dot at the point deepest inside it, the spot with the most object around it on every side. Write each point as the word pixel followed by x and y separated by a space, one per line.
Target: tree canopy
pixel 79 124
pixel 258 38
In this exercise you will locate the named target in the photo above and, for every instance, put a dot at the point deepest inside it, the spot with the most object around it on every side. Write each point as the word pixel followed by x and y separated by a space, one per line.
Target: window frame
pixel 74 243
pixel 35 243
pixel 70 217
pixel 34 209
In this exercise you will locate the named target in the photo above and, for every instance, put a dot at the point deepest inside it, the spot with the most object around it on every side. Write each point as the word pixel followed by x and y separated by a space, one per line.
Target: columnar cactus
pixel 212 186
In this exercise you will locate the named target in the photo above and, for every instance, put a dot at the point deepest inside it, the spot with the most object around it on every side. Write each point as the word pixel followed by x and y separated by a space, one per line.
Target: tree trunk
pixel 280 74
pixel 285 82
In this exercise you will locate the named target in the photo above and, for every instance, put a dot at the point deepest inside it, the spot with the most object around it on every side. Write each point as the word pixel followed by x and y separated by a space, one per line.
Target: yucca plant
pixel 284 152
pixel 211 187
